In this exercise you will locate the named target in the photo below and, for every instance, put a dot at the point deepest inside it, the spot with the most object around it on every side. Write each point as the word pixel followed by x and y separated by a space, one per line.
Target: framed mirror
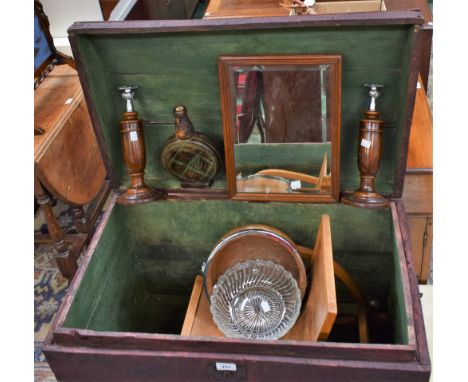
pixel 281 120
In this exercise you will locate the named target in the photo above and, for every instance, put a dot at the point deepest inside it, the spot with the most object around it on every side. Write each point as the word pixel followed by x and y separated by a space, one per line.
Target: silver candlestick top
pixel 374 93
pixel 128 94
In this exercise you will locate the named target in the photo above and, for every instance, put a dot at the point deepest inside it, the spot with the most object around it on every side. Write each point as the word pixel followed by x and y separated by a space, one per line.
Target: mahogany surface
pixel 67 162
pixel 66 157
pixel 90 364
pixel 62 80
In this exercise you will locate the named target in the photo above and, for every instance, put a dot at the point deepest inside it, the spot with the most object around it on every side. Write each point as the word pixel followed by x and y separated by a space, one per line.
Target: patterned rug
pixel 64 216
pixel 49 288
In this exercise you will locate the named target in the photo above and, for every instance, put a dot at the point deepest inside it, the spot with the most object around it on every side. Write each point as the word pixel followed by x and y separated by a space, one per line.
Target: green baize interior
pixel 182 68
pixel 142 271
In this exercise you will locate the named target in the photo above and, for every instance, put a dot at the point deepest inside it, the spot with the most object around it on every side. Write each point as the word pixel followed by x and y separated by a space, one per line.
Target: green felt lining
pixel 107 286
pixel 142 271
pixel 396 302
pixel 182 68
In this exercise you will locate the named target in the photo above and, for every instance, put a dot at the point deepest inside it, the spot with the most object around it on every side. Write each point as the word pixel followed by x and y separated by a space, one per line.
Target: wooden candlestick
pixel 133 146
pixel 369 156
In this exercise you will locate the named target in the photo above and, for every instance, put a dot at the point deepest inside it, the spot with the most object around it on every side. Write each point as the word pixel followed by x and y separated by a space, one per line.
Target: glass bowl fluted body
pixel 256 299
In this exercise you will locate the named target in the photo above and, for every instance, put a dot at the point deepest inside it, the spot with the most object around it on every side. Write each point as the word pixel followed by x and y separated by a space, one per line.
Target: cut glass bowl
pixel 256 299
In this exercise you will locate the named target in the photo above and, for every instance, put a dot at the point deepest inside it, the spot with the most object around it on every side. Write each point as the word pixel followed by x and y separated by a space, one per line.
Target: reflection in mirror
pixel 271 99
pixel 282 115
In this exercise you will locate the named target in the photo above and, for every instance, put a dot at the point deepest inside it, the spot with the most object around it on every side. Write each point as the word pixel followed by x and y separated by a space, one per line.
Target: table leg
pixel 81 220
pixel 65 261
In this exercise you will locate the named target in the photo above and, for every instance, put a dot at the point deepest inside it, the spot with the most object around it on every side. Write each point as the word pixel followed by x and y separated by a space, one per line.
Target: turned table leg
pixel 81 221
pixel 65 262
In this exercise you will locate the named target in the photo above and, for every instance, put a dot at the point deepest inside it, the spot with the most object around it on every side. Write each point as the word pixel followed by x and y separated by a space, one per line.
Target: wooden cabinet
pixel 421 238
pixel 417 192
pixel 417 196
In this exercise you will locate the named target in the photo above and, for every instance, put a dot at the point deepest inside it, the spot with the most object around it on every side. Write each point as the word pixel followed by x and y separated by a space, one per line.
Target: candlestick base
pixel 366 200
pixel 139 196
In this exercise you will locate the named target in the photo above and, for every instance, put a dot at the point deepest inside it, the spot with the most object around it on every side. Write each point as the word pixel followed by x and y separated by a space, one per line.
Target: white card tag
pixel 365 143
pixel 296 184
pixel 309 3
pixel 418 85
pixel 133 136
pixel 222 366
pixel 68 101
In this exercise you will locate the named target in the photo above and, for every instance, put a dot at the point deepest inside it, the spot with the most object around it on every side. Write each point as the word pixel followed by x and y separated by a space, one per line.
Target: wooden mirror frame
pixel 226 91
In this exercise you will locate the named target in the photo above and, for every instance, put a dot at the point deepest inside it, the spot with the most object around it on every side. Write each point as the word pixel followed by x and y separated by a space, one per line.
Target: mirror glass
pixel 282 123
